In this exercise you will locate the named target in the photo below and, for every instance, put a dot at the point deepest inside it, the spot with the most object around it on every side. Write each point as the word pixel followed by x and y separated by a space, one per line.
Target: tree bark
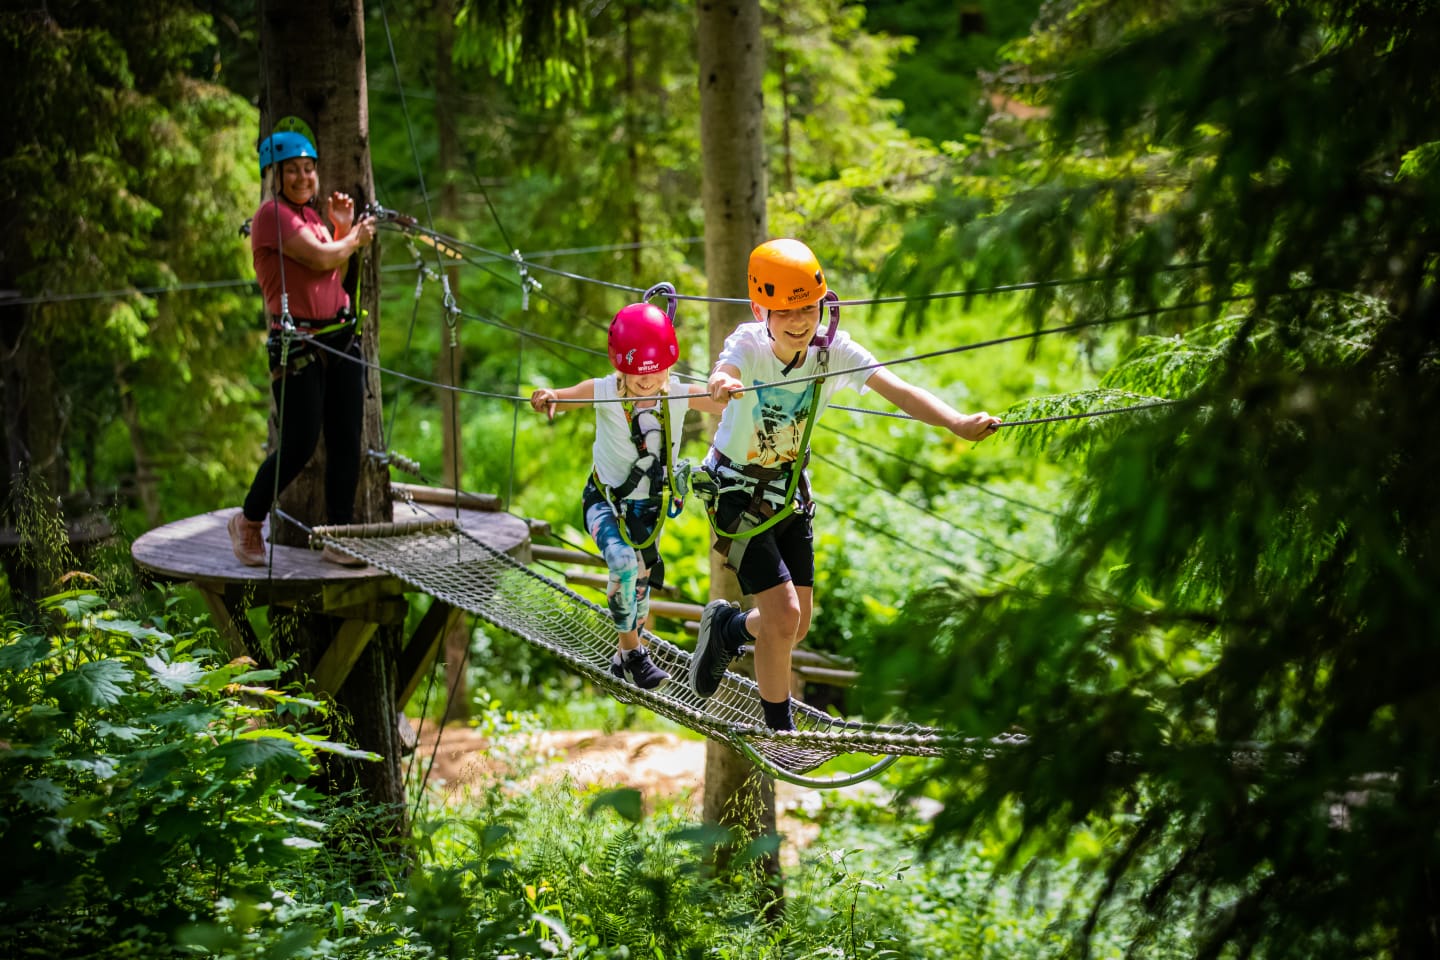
pixel 731 65
pixel 450 362
pixel 312 59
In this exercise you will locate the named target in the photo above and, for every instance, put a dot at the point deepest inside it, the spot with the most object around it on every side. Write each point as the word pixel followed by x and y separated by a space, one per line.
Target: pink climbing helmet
pixel 642 340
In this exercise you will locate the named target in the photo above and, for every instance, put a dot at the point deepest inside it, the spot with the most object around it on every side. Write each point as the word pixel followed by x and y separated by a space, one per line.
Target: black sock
pixel 777 715
pixel 734 635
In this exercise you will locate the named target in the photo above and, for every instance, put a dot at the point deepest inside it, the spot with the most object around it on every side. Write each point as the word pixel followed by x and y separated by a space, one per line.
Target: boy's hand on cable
pixel 975 426
pixel 722 387
pixel 543 401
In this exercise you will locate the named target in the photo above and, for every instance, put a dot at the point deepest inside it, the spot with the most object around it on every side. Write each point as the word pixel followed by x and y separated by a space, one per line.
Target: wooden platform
pixel 198 549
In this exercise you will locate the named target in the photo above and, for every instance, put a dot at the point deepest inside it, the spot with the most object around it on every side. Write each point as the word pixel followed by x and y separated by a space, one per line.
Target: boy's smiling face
pixel 790 330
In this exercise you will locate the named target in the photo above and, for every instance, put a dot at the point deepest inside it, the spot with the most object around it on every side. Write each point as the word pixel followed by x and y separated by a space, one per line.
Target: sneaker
pixel 707 663
pixel 246 539
pixel 340 558
pixel 644 672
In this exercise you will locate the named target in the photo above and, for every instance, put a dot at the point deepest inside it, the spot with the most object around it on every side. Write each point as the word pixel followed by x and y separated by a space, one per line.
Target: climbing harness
pixel 760 514
pixel 642 340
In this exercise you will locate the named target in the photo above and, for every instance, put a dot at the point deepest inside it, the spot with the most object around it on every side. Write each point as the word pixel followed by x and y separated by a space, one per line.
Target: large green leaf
pixel 269 757
pixel 24 652
pixel 130 628
pixel 99 683
pixel 43 793
pixel 177 676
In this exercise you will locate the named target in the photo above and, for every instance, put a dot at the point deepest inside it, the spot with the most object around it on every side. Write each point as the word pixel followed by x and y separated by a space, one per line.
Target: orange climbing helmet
pixel 784 274
pixel 642 340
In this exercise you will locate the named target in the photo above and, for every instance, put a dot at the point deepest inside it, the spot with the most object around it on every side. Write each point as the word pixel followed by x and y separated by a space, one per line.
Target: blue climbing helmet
pixel 285 145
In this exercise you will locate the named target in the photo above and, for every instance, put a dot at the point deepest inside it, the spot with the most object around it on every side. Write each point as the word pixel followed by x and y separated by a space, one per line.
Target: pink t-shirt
pixel 315 295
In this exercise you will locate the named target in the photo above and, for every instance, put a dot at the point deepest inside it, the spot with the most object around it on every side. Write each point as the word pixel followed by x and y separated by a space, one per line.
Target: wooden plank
pixel 677 611
pixel 827 676
pixel 563 555
pixel 421 649
pixel 337 662
pixel 198 548
pixel 603 583
pixel 388 611
pixel 445 496
pixel 348 594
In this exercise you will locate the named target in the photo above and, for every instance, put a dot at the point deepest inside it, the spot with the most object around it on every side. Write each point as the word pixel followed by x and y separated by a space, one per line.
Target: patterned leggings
pixel 631 571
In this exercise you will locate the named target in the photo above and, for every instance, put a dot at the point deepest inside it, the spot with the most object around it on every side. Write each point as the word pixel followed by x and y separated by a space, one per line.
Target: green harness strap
pixel 795 475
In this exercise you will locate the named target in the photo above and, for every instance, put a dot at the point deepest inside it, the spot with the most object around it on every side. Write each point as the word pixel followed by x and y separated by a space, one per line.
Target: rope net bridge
pixel 440 559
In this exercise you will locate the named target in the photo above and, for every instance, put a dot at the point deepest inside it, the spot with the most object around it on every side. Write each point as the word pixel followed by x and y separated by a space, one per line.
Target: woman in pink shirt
pixel 298 261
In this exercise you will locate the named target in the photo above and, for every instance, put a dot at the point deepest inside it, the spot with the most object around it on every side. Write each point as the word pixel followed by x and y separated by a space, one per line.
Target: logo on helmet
pixel 629 356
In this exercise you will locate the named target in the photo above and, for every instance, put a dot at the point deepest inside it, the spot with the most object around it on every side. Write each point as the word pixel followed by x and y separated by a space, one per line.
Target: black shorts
pixel 785 553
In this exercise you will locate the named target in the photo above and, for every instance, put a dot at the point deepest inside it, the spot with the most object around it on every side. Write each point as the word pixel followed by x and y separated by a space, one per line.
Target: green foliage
pixel 942 82
pixel 1231 640
pixel 127 174
pixel 143 781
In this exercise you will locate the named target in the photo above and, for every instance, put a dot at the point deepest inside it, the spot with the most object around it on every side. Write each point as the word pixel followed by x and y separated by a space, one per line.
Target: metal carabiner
pixel 671 300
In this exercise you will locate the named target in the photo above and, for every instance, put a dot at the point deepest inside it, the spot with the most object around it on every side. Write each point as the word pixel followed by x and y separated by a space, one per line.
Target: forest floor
pixel 662 766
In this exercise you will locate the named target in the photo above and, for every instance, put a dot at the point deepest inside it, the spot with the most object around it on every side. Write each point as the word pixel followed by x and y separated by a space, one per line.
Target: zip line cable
pixel 857 441
pixel 926 510
pixel 448 302
pixel 951 562
pixel 191 286
pixel 996 341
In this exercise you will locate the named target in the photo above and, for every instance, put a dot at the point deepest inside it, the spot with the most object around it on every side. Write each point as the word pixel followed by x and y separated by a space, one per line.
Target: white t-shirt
pixel 614 452
pixel 765 426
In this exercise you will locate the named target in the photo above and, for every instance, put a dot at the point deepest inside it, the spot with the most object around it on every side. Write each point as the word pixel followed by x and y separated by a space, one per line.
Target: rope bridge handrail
pixel 439 558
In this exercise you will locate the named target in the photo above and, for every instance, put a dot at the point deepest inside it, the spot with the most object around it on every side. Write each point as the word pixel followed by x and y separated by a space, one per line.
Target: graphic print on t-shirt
pixel 779 424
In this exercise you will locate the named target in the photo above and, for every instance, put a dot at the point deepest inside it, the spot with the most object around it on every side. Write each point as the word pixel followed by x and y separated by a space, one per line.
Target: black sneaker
pixel 644 672
pixel 707 664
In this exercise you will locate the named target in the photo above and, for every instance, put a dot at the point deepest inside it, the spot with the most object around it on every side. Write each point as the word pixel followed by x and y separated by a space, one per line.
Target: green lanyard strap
pixel 795 475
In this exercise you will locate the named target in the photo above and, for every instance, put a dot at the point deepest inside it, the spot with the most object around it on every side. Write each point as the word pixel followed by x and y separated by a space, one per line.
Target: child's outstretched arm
pixel 545 399
pixel 705 404
pixel 724 383
pixel 928 408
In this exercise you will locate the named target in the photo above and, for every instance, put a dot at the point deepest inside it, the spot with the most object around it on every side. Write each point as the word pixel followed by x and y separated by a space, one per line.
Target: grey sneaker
pixel 644 672
pixel 708 662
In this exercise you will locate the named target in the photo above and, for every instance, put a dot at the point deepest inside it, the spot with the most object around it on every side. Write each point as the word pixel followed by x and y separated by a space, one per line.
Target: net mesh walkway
pixel 440 559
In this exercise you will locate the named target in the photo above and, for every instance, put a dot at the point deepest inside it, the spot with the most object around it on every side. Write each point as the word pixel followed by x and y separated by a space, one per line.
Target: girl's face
pixel 298 180
pixel 644 384
pixel 790 330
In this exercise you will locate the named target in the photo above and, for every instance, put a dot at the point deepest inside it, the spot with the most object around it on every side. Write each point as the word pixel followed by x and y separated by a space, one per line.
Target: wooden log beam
pixel 445 496
pixel 602 584
pixel 564 555
pixel 340 657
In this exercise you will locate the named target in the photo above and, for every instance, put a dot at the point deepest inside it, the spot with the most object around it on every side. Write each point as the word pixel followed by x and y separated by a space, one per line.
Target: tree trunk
pixel 731 64
pixel 312 59
pixel 313 67
pixel 450 362
pixel 147 486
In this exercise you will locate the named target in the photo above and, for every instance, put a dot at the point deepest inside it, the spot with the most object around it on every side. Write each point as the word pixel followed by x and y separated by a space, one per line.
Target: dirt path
pixel 659 765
